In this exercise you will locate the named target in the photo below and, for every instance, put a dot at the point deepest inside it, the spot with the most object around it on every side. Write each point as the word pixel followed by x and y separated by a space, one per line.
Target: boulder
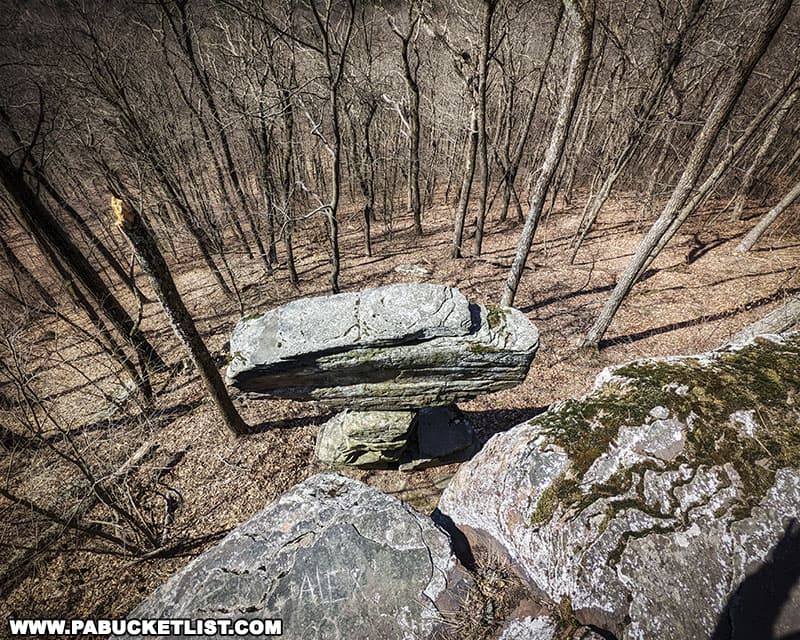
pixel 396 347
pixel 332 558
pixel 662 504
pixel 408 440
pixel 367 439
pixel 540 628
pixel 544 628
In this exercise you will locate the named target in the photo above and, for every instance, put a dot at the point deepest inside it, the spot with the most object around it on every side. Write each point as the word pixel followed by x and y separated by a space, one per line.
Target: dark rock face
pixel 652 506
pixel 332 558
pixel 443 435
pixel 395 347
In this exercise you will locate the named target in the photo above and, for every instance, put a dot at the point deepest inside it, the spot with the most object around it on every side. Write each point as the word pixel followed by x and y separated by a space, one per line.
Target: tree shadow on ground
pixel 640 335
pixel 157 419
pixel 698 251
pixel 290 423
pixel 753 610
pixel 493 421
pixel 768 248
pixel 583 291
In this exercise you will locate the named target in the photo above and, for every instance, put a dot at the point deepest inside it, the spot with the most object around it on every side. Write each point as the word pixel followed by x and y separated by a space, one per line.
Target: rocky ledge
pixel 662 505
pixel 397 347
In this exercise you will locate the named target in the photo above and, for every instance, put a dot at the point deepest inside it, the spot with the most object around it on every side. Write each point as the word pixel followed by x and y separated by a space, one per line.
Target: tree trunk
pixel 20 271
pixel 756 232
pixel 781 319
pixel 712 180
pixel 155 267
pixel 335 65
pixel 49 231
pixel 584 26
pixel 288 180
pixel 750 175
pixel 267 186
pixel 694 166
pixel 410 75
pixel 184 34
pixel 643 116
pixel 519 150
pixel 483 142
pixel 466 184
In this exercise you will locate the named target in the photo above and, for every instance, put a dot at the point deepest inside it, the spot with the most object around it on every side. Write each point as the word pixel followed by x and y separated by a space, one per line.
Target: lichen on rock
pixel 332 558
pixel 636 501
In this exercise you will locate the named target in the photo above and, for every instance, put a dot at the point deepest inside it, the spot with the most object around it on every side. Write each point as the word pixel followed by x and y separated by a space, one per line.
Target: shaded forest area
pixel 623 171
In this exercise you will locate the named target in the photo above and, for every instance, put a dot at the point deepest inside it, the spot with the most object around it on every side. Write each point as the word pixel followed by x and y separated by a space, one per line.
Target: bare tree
pixel 512 160
pixel 411 61
pixel 642 115
pixel 155 267
pixel 23 278
pixel 582 16
pixel 50 234
pixel 489 7
pixel 750 176
pixel 776 11
pixel 756 232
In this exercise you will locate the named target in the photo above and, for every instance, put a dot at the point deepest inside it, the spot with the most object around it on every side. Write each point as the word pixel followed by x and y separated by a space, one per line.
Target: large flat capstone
pixel 332 558
pixel 394 347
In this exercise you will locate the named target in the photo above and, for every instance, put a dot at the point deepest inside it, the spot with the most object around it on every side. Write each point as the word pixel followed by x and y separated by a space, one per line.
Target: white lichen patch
pixel 661 440
pixel 659 412
pixel 745 422
pixel 677 389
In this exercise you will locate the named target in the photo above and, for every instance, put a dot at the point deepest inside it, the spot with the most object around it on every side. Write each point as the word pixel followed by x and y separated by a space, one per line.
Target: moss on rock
pixel 762 377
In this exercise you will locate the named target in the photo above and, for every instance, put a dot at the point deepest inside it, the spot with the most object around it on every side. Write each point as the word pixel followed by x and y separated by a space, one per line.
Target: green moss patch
pixel 495 316
pixel 763 377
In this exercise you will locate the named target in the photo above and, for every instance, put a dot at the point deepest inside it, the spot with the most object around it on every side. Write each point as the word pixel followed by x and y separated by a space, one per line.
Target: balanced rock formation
pixel 662 505
pixel 364 438
pixel 332 558
pixel 396 357
pixel 402 346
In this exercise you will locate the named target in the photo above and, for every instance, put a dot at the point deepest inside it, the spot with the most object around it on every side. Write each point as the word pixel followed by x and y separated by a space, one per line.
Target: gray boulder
pixel 408 440
pixel 396 347
pixel 364 438
pixel 661 504
pixel 544 628
pixel 332 558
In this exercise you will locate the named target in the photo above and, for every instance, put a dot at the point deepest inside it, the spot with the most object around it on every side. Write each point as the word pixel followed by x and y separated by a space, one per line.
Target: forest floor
pixel 697 295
